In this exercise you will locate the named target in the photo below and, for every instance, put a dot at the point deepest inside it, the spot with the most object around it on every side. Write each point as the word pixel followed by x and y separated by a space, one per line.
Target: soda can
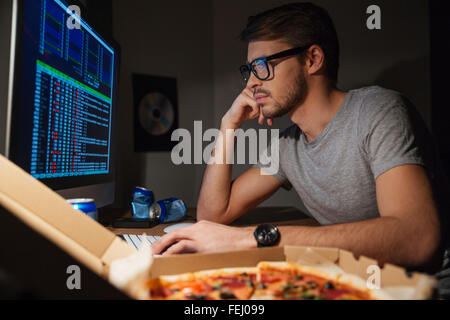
pixel 143 199
pixel 86 206
pixel 168 210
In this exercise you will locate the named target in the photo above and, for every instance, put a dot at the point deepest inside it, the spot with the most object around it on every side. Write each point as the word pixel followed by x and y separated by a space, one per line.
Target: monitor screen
pixel 63 97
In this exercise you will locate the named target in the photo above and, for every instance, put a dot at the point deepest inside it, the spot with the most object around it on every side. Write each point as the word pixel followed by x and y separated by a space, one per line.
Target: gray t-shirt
pixel 374 130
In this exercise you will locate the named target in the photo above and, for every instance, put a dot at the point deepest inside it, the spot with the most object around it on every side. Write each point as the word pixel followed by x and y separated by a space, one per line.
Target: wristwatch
pixel 266 235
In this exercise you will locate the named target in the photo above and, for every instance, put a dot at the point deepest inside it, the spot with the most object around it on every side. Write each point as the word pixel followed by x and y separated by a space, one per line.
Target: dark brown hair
pixel 299 24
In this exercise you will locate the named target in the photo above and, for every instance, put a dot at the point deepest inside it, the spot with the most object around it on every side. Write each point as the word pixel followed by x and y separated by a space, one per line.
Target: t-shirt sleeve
pixel 389 138
pixel 271 164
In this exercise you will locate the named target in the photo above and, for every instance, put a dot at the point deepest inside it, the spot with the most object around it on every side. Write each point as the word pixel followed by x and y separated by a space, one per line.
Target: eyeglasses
pixel 261 69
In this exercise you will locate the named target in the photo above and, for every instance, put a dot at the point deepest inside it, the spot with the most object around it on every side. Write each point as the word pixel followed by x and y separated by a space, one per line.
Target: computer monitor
pixel 61 102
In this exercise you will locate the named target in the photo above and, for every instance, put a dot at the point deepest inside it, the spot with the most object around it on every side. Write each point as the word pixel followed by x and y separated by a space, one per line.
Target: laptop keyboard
pixel 135 240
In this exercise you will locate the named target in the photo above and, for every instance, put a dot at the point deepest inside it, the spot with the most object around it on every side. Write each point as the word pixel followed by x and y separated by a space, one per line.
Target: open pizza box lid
pixel 42 236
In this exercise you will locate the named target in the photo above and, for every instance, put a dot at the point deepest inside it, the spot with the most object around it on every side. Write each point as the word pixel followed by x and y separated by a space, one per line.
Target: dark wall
pixel 99 15
pixel 440 67
pixel 170 38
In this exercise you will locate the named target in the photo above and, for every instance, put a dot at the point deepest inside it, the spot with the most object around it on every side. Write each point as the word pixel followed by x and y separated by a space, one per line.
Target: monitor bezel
pixel 60 183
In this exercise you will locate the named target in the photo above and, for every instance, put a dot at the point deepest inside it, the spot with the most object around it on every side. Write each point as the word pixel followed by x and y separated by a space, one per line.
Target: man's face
pixel 286 88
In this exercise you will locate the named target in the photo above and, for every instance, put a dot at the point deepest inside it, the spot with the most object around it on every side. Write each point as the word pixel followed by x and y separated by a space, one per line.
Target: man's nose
pixel 253 82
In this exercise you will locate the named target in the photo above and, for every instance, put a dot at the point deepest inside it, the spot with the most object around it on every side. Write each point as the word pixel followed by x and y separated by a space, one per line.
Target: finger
pixel 248 92
pixel 166 241
pixel 183 246
pixel 270 122
pixel 261 117
pixel 253 105
pixel 248 96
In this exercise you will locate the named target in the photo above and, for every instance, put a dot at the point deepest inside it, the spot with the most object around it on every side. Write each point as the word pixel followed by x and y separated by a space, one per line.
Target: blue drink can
pixel 141 203
pixel 168 210
pixel 86 206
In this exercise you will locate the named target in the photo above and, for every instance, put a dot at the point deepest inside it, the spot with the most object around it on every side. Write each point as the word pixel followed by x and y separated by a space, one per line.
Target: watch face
pixel 266 235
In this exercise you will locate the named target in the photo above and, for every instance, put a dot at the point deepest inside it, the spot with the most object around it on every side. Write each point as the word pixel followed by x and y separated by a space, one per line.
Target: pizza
pixel 288 281
pixel 224 284
pixel 266 281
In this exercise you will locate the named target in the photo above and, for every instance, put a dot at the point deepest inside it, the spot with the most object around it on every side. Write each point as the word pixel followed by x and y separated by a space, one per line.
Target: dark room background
pixel 197 43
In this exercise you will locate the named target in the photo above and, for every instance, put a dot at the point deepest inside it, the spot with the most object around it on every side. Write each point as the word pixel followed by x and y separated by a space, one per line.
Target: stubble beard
pixel 295 96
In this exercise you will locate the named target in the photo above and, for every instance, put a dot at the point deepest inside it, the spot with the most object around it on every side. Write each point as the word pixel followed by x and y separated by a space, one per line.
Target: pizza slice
pixel 182 287
pixel 222 284
pixel 230 283
pixel 288 281
pixel 275 281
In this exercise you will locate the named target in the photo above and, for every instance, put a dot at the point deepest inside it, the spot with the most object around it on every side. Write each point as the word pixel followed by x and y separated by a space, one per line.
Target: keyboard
pixel 135 240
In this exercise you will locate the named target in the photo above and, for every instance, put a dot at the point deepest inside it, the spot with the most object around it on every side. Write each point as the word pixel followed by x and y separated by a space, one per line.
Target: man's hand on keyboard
pixel 204 237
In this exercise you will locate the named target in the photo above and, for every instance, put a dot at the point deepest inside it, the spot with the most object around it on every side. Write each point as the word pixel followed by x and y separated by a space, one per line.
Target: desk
pixel 280 216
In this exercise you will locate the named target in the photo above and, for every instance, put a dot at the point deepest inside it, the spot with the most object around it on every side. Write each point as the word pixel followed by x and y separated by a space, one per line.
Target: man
pixel 359 160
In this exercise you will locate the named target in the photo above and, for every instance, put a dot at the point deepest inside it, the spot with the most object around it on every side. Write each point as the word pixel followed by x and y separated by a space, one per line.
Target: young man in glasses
pixel 362 161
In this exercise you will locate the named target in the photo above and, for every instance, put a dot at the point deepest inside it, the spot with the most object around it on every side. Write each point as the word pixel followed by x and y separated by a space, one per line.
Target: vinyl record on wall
pixel 155 112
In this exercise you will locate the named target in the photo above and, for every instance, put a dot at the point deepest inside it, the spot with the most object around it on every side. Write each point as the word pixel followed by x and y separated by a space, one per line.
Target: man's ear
pixel 315 60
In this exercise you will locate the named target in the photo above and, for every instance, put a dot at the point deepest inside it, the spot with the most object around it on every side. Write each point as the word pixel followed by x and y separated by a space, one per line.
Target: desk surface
pixel 281 216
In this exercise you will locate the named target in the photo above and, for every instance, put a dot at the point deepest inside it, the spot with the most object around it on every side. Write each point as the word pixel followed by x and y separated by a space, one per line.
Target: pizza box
pixel 43 240
pixel 50 248
pixel 390 280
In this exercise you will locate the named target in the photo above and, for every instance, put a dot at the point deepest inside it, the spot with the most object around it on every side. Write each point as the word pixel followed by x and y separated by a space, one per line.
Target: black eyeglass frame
pixel 282 54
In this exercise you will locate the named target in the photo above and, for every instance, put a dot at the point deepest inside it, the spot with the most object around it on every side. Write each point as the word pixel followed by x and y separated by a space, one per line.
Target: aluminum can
pixel 86 206
pixel 143 199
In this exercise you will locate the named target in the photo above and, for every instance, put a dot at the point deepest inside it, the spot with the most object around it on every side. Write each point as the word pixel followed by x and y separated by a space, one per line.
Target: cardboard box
pixel 42 235
pixel 393 280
